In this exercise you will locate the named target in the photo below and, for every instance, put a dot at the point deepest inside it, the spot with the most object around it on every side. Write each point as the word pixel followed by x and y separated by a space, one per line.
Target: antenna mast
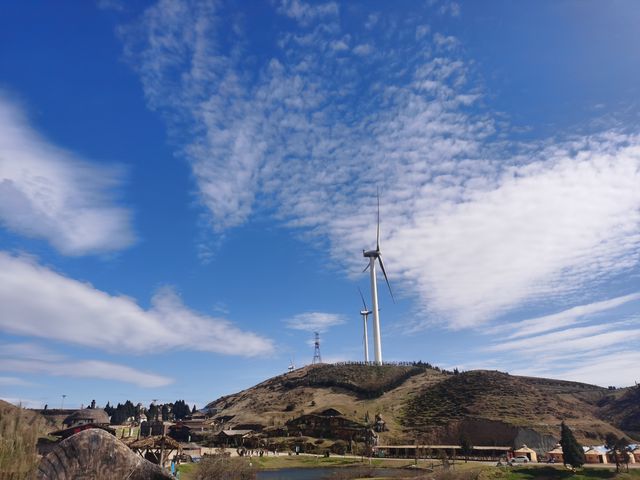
pixel 316 351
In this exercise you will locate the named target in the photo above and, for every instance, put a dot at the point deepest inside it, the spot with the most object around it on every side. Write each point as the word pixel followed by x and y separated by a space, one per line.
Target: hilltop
pixel 419 402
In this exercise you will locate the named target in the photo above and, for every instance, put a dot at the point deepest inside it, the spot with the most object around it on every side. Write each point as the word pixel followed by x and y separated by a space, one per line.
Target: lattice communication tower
pixel 316 350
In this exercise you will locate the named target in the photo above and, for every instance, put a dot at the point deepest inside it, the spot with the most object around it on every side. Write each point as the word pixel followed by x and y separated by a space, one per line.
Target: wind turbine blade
pixel 362 297
pixel 384 272
pixel 367 267
pixel 378 230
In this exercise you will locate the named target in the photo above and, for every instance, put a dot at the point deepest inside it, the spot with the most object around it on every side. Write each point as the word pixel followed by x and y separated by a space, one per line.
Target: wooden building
pixel 233 438
pixel 483 452
pixel 158 449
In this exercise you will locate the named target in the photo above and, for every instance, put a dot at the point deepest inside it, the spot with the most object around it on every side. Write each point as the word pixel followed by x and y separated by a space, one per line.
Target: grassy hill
pixel 417 401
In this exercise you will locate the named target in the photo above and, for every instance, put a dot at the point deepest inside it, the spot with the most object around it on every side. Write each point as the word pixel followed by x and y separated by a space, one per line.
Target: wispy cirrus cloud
pixel 48 192
pixel 14 381
pixel 24 402
pixel 566 318
pixel 39 302
pixel 315 321
pixel 591 343
pixel 473 225
pixel 34 359
pixel 574 340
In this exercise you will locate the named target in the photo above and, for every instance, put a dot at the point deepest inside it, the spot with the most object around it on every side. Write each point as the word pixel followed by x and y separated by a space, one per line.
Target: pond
pixel 336 473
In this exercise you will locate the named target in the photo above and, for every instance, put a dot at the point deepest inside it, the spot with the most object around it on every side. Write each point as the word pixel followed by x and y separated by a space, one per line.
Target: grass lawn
pixel 185 470
pixel 553 473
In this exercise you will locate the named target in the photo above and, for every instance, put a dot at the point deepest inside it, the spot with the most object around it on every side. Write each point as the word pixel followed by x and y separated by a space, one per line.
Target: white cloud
pixel 47 192
pixel 574 340
pixel 445 7
pixel 472 226
pixel 565 318
pixel 422 30
pixel 604 369
pixel 363 49
pixel 544 229
pixel 602 351
pixel 39 302
pixel 614 368
pixel 14 381
pixel 445 41
pixel 305 12
pixel 314 321
pixel 24 402
pixel 87 369
pixel 34 359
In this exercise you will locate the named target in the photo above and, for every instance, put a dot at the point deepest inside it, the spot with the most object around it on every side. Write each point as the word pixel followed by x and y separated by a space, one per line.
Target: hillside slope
pixel 421 403
pixel 623 409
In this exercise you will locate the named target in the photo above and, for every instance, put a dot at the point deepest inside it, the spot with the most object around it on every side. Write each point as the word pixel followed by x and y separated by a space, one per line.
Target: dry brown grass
pixel 224 468
pixel 19 432
pixel 426 403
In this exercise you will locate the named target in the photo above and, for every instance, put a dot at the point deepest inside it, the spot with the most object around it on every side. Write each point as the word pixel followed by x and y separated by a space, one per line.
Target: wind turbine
pixel 365 315
pixel 374 255
pixel 292 366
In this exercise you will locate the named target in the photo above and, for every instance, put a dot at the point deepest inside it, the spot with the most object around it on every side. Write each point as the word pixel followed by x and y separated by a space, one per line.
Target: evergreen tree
pixel 152 414
pixel 129 409
pixel 180 409
pixel 572 451
pixel 465 447
pixel 193 410
pixel 165 412
pixel 119 415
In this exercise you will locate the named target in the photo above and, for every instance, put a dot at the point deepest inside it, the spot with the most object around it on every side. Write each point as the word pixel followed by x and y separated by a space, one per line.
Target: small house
pixel 556 454
pixel 635 452
pixel 527 452
pixel 595 454
pixel 95 416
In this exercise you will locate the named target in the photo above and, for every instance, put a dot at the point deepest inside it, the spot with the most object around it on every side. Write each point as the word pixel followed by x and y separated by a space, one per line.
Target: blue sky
pixel 186 188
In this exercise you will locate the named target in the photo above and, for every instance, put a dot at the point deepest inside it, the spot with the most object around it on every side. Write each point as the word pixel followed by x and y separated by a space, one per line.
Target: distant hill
pixel 418 402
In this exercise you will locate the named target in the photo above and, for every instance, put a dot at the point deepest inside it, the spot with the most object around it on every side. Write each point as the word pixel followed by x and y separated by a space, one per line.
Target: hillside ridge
pixel 416 400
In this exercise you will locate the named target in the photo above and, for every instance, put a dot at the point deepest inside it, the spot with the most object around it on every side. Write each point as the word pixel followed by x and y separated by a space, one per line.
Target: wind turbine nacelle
pixel 364 313
pixel 371 253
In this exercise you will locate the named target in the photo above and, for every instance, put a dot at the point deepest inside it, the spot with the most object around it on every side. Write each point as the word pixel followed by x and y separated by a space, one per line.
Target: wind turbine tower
pixel 292 366
pixel 316 349
pixel 365 336
pixel 374 255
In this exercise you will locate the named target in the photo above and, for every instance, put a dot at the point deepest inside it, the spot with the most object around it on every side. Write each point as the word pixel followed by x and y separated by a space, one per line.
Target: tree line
pixel 121 413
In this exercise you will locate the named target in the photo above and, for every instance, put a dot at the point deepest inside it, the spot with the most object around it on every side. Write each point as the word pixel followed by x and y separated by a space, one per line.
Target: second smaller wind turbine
pixel 365 315
pixel 292 366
